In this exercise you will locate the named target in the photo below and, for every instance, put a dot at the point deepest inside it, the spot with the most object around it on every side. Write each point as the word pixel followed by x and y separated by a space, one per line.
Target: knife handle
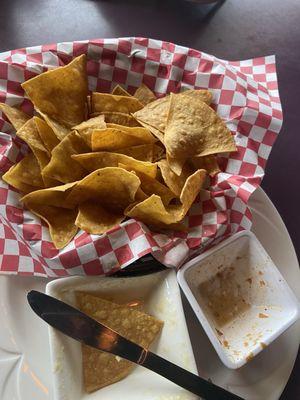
pixel 186 379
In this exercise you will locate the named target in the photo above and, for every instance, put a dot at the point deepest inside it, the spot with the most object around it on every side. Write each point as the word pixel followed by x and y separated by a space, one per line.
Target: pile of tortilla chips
pixel 100 158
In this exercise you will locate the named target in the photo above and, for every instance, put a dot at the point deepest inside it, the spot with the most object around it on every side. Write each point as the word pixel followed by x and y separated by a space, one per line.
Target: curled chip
pixel 153 212
pixel 119 91
pixel 61 165
pixel 15 115
pixel 136 131
pixel 193 128
pixel 54 196
pixel 101 159
pixel 95 219
pixel 151 186
pixel 129 322
pixel 25 175
pixel 61 222
pixel 103 102
pixel 173 181
pixel 85 129
pixel 144 95
pixel 113 188
pixel 61 93
pixel 47 135
pixel 206 162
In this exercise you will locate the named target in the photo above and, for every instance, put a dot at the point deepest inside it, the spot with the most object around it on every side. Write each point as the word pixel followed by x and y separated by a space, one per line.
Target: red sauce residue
pixel 262 283
pixel 250 356
pixel 261 315
pixel 263 345
pixel 226 344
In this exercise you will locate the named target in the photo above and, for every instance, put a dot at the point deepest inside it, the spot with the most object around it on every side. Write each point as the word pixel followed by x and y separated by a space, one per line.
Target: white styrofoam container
pixel 242 269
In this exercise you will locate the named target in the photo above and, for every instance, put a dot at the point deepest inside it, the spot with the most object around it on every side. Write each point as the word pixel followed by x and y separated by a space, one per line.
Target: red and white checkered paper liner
pixel 245 95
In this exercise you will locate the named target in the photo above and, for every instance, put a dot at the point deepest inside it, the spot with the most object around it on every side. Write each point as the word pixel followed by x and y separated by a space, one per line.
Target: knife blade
pixel 79 326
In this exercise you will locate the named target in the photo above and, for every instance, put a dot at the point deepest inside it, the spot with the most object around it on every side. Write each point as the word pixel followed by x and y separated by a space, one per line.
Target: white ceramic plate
pixel 160 296
pixel 25 370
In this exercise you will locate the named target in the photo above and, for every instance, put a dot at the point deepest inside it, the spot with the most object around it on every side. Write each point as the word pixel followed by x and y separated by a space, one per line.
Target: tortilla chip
pixel 176 163
pixel 47 135
pixel 173 181
pixel 60 130
pixel 106 102
pixel 61 93
pixel 27 172
pixel 154 115
pixel 193 128
pixel 153 212
pixel 113 188
pixel 16 117
pixel 151 186
pixel 158 152
pixel 144 95
pixel 61 166
pixel 85 129
pixel 118 118
pixel 95 219
pixel 111 139
pixel 61 223
pixel 143 152
pixel 206 162
pixel 100 368
pixel 29 133
pixel 136 131
pixel 54 196
pixel 101 159
pixel 119 91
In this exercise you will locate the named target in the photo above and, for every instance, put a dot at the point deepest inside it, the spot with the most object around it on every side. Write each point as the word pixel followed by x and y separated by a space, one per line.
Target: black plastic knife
pixel 74 323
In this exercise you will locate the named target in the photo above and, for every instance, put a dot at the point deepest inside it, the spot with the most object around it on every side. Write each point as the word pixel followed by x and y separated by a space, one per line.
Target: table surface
pixel 233 30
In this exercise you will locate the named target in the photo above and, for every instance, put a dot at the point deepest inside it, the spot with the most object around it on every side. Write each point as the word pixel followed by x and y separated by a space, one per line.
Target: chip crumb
pixel 261 315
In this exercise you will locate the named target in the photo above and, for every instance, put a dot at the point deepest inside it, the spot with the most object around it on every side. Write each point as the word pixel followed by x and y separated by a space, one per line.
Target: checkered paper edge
pixel 245 95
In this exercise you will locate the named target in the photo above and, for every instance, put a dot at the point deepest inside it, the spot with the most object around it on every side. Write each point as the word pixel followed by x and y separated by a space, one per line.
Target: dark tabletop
pixel 233 30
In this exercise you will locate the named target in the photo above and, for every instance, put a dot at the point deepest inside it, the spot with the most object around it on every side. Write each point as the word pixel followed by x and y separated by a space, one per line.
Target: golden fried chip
pixel 113 139
pixel 151 186
pixel 61 93
pixel 27 172
pixel 60 130
pixel 173 181
pixel 16 117
pixel 158 152
pixel 61 223
pixel 176 163
pixel 206 162
pixel 113 188
pixel 85 129
pixel 137 131
pixel 61 166
pixel 54 196
pixel 154 115
pixel 118 118
pixel 193 128
pixel 100 368
pixel 30 134
pixel 101 159
pixel 153 212
pixel 95 219
pixel 143 152
pixel 144 95
pixel 119 91
pixel 106 102
pixel 47 135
